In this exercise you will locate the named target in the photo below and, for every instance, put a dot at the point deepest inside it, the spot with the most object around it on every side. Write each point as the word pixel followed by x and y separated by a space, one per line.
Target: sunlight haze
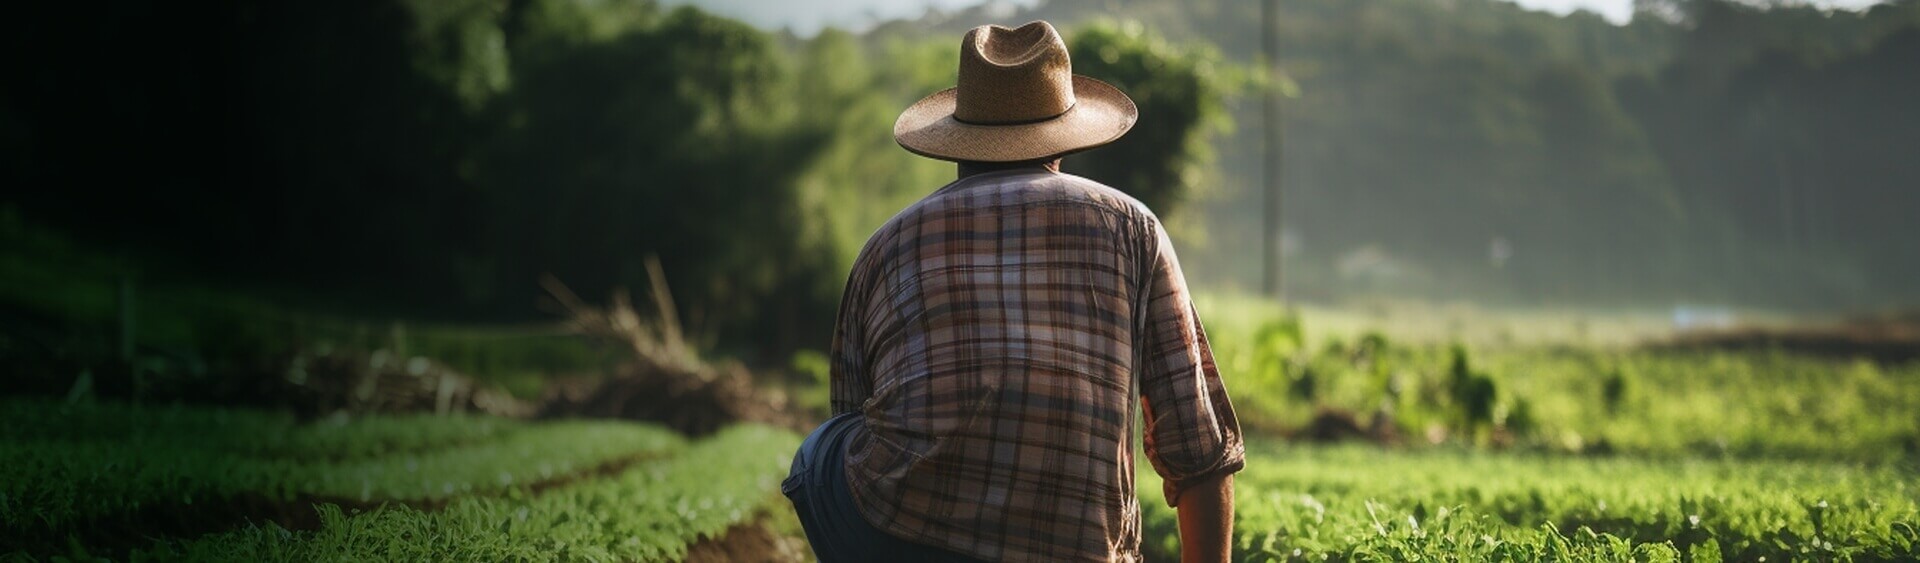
pixel 806 18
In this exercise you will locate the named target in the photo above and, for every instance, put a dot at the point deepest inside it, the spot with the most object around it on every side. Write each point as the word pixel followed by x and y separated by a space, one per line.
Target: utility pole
pixel 1270 161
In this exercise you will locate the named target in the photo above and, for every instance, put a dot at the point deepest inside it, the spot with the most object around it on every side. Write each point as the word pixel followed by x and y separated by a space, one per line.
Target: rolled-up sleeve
pixel 1191 432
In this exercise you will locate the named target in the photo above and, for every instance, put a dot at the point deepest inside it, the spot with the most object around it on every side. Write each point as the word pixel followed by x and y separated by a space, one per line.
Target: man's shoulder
pixel 986 192
pixel 1097 192
pixel 1028 188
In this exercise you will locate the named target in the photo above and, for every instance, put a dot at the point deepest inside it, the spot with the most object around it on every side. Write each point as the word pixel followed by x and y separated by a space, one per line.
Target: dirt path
pixel 772 535
pixel 755 541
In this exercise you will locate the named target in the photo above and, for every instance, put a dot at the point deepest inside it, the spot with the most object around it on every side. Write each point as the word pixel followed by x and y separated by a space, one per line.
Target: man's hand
pixel 1206 520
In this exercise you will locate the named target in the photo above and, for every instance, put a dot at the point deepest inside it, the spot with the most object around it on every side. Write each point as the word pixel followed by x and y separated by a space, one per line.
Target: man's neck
pixel 971 168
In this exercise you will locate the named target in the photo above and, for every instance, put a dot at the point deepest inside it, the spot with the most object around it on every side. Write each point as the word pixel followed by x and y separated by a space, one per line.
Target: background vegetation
pixel 1708 151
pixel 303 280
pixel 433 159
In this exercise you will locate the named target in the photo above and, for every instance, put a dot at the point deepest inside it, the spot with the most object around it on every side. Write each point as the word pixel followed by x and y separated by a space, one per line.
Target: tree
pixel 1164 160
pixel 676 139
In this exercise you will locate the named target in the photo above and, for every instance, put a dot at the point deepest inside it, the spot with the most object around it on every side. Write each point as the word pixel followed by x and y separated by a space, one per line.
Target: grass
pixel 244 432
pixel 650 512
pixel 1563 396
pixel 51 485
pixel 1520 438
pixel 1364 503
pixel 1557 443
pixel 1426 323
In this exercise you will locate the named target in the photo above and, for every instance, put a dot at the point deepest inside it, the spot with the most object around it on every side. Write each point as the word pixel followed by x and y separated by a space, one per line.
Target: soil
pixel 693 403
pixel 754 541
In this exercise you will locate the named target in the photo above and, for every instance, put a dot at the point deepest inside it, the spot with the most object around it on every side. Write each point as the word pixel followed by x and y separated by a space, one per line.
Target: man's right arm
pixel 1192 436
pixel 1206 520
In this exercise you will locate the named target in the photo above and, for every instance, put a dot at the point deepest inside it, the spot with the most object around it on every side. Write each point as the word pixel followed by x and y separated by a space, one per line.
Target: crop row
pixel 244 432
pixel 650 512
pixel 1576 399
pixel 49 486
pixel 1359 503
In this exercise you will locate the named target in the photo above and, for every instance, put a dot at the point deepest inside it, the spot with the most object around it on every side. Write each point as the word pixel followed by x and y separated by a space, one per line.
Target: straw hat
pixel 1017 99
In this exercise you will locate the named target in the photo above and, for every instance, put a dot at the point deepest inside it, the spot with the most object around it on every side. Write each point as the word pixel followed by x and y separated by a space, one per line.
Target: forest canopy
pixel 436 157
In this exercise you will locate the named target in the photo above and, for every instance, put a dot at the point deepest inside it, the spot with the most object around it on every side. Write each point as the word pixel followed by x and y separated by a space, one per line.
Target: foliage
pixel 1573 398
pixel 1790 136
pixel 653 140
pixel 246 432
pixel 110 461
pixel 456 151
pixel 1358 503
pixel 1706 150
pixel 647 513
pixel 1179 90
pixel 1706 457
pixel 62 315
pixel 861 177
pixel 432 159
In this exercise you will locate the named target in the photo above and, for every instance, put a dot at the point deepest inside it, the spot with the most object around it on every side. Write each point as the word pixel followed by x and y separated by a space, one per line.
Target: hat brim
pixel 1100 115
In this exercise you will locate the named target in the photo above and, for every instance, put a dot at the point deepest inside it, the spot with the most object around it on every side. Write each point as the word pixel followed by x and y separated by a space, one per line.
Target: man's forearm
pixel 1206 520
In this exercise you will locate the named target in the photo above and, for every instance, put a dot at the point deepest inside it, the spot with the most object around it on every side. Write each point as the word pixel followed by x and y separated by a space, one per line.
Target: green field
pixel 646 513
pixel 1556 436
pixel 232 485
pixel 558 280
pixel 1484 447
pixel 1362 503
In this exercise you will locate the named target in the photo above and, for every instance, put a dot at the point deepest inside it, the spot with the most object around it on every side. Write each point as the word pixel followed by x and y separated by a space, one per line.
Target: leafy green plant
pixel 651 512
pixel 1365 504
pixel 52 484
pixel 1569 398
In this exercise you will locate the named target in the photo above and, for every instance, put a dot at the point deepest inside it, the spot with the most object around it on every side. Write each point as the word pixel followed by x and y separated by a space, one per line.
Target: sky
pixel 806 17
pixel 1619 11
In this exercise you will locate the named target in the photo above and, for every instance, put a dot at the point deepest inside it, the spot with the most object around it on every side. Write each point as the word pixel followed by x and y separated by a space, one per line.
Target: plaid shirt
pixel 996 335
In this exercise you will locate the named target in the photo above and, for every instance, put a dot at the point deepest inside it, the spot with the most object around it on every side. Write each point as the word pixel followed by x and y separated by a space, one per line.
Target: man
pixel 997 336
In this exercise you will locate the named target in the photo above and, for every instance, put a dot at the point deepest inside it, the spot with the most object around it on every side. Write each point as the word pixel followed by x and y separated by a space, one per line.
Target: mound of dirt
pixel 322 384
pixel 665 381
pixel 693 404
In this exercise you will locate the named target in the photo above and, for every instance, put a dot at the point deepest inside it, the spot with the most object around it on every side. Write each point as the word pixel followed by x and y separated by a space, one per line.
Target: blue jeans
pixel 817 485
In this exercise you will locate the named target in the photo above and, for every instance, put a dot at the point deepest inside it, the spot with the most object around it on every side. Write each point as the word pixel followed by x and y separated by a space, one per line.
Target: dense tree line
pixel 435 158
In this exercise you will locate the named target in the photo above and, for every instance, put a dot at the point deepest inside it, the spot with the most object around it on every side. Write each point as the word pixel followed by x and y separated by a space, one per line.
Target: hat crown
pixel 1013 75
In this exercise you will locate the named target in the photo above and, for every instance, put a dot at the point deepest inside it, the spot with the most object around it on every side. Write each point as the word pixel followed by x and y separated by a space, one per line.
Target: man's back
pixel 997 336
pixel 994 337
